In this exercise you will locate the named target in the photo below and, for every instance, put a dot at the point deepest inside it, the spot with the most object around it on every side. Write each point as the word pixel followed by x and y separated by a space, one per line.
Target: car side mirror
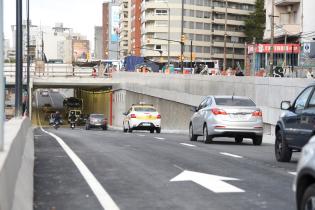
pixel 285 105
pixel 194 109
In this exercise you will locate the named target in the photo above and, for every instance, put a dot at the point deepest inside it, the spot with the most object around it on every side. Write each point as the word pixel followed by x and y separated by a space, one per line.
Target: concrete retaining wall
pixel 16 166
pixel 189 89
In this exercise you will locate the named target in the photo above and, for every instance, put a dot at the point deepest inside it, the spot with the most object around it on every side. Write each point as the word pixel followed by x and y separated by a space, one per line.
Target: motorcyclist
pixel 72 117
pixel 57 119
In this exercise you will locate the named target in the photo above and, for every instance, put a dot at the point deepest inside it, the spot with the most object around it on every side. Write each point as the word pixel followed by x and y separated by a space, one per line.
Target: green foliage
pixel 255 23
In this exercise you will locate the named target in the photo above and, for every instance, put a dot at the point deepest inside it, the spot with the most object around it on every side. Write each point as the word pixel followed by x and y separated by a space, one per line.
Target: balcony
pixel 286 2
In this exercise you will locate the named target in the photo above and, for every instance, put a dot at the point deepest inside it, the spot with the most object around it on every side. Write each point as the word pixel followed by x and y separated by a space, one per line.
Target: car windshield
pixel 234 102
pixel 98 116
pixel 145 109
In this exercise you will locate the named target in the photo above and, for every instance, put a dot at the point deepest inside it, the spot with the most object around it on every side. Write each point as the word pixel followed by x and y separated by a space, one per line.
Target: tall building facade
pixel 98 42
pixel 125 28
pixel 111 30
pixel 136 44
pixel 203 23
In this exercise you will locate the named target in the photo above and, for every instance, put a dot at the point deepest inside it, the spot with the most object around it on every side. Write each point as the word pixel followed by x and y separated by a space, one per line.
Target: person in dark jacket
pixel 239 72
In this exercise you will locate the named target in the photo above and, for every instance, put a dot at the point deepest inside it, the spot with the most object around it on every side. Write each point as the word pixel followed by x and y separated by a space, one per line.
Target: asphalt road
pixel 135 170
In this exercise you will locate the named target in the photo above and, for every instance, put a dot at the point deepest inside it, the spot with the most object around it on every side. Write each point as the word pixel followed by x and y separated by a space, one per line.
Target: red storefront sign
pixel 278 48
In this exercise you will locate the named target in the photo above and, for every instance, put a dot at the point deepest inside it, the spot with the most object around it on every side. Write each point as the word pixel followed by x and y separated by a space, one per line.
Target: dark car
pixel 304 184
pixel 72 102
pixel 96 121
pixel 296 125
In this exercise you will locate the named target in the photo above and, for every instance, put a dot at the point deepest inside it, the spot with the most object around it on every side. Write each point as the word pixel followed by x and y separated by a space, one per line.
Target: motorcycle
pixel 56 124
pixel 72 124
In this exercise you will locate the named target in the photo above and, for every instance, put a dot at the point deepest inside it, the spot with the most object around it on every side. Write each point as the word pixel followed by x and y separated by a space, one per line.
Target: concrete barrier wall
pixel 189 89
pixel 16 166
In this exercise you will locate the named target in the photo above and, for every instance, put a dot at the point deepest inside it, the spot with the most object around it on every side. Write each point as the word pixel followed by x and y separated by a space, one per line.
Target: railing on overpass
pixel 55 70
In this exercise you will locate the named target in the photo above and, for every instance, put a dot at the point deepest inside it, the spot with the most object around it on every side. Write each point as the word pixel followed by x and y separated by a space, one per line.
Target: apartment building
pixel 203 23
pixel 111 30
pixel 98 42
pixel 125 27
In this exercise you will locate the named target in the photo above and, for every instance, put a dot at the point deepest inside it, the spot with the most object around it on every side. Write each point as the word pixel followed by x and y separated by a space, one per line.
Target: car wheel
pixel 206 138
pixel 129 129
pixel 257 140
pixel 151 130
pixel 192 136
pixel 308 200
pixel 239 139
pixel 282 151
pixel 158 130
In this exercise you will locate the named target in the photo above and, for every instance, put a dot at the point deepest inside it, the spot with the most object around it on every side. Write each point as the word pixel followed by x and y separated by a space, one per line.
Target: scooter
pixel 56 124
pixel 72 124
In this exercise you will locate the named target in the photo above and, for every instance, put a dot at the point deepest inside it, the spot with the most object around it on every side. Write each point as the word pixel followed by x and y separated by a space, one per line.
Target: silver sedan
pixel 227 116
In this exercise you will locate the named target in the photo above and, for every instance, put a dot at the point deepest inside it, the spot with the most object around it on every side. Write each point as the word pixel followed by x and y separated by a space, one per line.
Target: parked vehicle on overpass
pixel 142 117
pixel 296 124
pixel 96 121
pixel 304 184
pixel 227 116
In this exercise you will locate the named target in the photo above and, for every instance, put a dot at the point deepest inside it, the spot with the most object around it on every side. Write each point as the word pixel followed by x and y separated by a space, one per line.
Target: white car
pixel 142 117
pixel 45 93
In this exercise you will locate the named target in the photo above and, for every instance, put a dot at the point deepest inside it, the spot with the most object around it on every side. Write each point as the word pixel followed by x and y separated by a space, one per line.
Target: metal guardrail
pixel 56 71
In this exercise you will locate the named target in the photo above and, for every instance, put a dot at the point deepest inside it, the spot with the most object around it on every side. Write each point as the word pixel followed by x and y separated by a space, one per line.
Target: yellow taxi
pixel 142 117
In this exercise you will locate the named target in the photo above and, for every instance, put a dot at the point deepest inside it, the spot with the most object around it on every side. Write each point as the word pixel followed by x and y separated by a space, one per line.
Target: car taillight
pixel 257 114
pixel 158 116
pixel 216 111
pixel 133 116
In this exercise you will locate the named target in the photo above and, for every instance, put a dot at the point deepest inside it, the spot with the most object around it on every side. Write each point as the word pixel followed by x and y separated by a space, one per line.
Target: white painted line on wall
pixel 103 197
pixel 292 173
pixel 159 138
pixel 230 155
pixel 188 145
pixel 52 101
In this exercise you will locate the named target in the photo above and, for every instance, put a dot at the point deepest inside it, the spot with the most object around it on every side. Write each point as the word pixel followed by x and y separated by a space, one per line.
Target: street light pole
pixel 28 57
pixel 19 60
pixel 182 33
pixel 225 36
pixel 2 83
pixel 169 36
pixel 272 34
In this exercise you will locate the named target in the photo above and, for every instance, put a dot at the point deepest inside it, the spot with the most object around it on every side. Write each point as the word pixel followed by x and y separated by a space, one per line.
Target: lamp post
pixel 2 85
pixel 272 34
pixel 169 35
pixel 225 35
pixel 19 60
pixel 28 105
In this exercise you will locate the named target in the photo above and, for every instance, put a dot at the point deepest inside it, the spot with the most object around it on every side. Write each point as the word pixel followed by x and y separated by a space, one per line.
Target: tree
pixel 255 23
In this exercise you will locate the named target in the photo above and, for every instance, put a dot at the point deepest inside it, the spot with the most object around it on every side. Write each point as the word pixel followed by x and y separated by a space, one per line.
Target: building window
pixel 161 12
pixel 158 47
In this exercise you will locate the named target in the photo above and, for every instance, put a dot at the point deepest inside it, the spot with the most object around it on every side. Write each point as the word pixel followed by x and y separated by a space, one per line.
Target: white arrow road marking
pixel 292 173
pixel 211 182
pixel 189 145
pixel 231 155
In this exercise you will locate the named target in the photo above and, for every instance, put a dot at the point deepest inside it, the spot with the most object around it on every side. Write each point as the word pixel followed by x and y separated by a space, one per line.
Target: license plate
pixel 146 124
pixel 239 117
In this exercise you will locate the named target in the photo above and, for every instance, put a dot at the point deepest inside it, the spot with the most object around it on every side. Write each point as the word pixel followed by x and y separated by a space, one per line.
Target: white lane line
pixel 103 197
pixel 141 135
pixel 159 138
pixel 292 173
pixel 188 145
pixel 231 155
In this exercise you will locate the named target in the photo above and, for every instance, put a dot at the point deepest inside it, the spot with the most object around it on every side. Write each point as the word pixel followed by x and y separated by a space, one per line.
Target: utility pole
pixel 254 57
pixel 182 34
pixel 28 57
pixel 225 35
pixel 272 35
pixel 2 83
pixel 191 51
pixel 285 49
pixel 19 60
pixel 169 36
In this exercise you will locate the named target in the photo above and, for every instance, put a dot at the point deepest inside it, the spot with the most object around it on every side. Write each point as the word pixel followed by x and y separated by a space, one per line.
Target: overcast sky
pixel 81 15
